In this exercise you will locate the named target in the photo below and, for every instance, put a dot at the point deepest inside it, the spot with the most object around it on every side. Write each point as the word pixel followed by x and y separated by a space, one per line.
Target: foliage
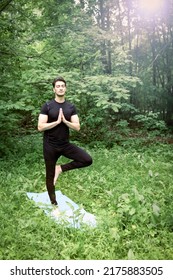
pixel 128 189
pixel 151 122
pixel 116 60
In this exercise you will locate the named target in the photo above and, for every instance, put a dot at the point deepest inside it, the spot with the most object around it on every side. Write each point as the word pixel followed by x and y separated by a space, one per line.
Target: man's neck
pixel 59 99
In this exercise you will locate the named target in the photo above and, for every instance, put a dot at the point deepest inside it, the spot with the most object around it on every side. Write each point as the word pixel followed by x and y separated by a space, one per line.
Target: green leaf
pixel 156 209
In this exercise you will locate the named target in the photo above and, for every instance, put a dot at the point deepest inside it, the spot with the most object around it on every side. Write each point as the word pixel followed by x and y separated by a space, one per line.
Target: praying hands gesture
pixel 74 122
pixel 44 125
pixel 61 117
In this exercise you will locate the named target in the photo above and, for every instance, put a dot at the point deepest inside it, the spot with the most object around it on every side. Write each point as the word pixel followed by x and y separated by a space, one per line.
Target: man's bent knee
pixel 89 161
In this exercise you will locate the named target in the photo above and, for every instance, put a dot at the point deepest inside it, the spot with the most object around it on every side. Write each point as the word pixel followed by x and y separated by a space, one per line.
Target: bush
pixel 151 122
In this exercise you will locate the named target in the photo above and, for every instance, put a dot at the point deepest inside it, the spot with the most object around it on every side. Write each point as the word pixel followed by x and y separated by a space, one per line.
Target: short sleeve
pixel 44 109
pixel 74 111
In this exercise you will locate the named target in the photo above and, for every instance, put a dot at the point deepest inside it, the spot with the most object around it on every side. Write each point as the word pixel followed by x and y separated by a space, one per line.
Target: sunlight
pixel 151 6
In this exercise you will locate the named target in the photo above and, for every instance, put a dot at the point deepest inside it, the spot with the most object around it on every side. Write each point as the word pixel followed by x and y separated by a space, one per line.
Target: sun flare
pixel 151 6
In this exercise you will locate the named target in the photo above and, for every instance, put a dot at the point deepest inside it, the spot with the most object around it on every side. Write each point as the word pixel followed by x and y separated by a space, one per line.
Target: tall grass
pixel 129 189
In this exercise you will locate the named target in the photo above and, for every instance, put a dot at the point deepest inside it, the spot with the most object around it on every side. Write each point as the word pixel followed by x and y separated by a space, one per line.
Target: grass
pixel 128 188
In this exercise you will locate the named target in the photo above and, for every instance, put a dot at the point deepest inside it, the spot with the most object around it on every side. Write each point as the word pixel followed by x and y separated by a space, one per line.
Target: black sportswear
pixel 59 134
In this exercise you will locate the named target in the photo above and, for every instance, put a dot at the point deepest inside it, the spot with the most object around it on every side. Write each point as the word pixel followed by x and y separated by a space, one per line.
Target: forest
pixel 117 59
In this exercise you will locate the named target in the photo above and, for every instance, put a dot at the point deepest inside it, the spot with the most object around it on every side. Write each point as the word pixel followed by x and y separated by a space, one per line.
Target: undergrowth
pixel 128 188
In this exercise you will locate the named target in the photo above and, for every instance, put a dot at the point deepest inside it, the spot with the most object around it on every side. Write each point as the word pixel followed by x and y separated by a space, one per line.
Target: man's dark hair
pixel 61 79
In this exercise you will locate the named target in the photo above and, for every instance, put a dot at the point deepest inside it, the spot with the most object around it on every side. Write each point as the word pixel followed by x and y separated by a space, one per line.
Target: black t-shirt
pixel 58 135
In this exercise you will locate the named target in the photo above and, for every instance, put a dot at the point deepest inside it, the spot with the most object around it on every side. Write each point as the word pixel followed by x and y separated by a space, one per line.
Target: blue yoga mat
pixel 70 214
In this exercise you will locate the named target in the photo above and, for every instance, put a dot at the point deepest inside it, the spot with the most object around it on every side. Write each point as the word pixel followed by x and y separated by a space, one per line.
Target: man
pixel 55 119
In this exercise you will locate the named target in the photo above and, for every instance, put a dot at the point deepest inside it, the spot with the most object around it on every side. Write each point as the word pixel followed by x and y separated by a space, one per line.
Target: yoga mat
pixel 70 214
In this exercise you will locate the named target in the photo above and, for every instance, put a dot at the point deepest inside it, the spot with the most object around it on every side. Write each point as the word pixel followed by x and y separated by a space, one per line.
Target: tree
pixel 117 61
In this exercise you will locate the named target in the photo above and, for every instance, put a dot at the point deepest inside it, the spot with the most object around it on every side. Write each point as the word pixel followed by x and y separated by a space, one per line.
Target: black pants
pixel 51 154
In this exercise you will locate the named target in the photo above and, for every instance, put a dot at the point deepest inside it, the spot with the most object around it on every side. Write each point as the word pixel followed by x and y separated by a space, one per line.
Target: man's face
pixel 59 88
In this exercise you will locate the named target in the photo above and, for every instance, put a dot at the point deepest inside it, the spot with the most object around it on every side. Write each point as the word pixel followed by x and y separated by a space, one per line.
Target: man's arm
pixel 44 125
pixel 74 122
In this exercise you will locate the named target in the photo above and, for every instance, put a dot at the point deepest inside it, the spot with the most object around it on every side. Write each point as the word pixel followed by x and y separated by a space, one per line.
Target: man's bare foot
pixel 58 171
pixel 55 212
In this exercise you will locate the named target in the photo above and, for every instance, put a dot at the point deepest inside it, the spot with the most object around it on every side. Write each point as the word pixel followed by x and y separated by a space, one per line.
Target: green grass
pixel 129 189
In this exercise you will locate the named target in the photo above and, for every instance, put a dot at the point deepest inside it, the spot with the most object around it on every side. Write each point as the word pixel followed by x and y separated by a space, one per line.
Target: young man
pixel 55 119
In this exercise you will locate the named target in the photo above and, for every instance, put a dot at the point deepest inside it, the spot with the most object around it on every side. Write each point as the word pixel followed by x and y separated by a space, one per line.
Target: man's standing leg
pixel 50 173
pixel 51 155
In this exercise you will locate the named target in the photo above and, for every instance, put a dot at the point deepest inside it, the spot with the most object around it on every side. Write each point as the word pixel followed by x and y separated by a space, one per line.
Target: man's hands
pixel 44 125
pixel 43 121
pixel 73 123
pixel 61 117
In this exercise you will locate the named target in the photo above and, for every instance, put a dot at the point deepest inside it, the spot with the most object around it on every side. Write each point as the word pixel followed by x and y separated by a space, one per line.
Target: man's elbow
pixel 78 127
pixel 39 127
